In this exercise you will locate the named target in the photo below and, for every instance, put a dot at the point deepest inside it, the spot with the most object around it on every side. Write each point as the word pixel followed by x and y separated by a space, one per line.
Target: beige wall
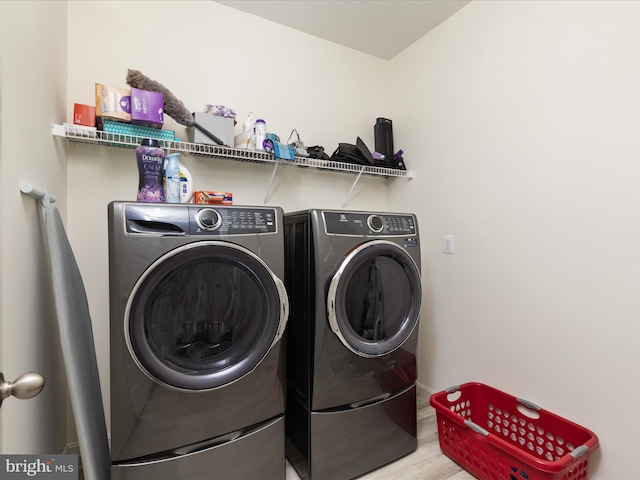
pixel 32 93
pixel 520 120
pixel 526 116
pixel 208 53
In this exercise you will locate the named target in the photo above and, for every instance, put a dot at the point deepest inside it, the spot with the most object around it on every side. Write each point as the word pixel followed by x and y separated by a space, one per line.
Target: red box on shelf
pixel 84 115
pixel 494 435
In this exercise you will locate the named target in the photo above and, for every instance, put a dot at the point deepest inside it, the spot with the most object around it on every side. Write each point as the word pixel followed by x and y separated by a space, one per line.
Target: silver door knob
pixel 25 386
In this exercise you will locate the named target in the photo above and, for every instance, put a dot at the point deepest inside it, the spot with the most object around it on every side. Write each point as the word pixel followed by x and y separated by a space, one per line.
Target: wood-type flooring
pixel 426 463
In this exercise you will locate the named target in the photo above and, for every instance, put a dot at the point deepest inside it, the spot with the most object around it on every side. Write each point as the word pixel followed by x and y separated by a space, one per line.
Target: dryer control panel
pixel 366 224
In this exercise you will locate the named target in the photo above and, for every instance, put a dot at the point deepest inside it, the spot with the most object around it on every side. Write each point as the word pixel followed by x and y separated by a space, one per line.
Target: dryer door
pixel 374 298
pixel 204 315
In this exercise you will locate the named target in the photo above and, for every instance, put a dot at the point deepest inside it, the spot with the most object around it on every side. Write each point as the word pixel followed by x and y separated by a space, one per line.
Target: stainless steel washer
pixel 198 309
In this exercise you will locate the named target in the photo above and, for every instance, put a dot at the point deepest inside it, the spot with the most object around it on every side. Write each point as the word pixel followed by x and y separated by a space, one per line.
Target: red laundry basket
pixel 496 436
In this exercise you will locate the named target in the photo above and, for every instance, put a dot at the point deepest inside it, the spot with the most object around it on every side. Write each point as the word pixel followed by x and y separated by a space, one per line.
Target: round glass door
pixel 204 315
pixel 374 298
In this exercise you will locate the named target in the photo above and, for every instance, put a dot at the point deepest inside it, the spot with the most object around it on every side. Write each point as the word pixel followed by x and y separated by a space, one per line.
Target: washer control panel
pixel 183 220
pixel 362 223
pixel 232 220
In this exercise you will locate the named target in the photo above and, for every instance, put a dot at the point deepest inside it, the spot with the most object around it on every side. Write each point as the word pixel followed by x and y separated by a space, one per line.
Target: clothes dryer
pixel 197 312
pixel 353 280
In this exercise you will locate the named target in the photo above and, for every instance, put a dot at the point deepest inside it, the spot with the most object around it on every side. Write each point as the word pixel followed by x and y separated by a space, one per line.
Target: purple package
pixel 147 108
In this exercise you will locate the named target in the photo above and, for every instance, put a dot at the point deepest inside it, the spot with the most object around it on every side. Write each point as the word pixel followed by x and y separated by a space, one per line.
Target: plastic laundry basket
pixel 496 436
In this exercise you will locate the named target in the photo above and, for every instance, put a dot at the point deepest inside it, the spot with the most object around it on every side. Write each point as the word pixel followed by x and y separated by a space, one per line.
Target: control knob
pixel 375 223
pixel 208 219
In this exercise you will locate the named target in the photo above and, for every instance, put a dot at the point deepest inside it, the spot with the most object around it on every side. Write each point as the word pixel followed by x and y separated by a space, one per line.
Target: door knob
pixel 25 386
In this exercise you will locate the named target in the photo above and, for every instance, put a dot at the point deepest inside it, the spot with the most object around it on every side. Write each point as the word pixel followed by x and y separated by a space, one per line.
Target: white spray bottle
pixel 248 126
pixel 172 179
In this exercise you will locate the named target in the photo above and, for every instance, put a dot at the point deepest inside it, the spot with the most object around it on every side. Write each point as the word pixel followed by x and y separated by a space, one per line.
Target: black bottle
pixel 383 133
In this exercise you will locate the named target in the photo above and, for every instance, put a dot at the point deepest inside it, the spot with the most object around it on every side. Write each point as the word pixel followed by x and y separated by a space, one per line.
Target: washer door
pixel 204 315
pixel 374 298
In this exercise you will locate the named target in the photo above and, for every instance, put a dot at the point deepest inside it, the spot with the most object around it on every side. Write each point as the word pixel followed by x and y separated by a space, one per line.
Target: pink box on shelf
pixel 147 108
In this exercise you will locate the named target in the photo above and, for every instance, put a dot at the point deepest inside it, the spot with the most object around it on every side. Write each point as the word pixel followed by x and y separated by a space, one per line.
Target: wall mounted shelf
pixel 79 134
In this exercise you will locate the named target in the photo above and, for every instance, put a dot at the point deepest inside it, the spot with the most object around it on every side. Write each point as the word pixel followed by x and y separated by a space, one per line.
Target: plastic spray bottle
pixel 261 132
pixel 248 133
pixel 248 123
pixel 172 179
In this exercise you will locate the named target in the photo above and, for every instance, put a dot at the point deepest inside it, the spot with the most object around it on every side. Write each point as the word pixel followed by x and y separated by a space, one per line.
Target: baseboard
pixel 423 390
pixel 71 449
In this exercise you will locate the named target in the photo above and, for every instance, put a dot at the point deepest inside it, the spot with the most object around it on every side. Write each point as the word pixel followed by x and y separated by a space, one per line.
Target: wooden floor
pixel 426 463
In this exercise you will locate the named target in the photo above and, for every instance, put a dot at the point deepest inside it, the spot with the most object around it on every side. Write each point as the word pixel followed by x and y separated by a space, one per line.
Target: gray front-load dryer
pixel 354 285
pixel 197 312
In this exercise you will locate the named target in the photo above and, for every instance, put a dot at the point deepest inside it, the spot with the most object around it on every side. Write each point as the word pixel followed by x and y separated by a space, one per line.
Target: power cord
pixel 298 145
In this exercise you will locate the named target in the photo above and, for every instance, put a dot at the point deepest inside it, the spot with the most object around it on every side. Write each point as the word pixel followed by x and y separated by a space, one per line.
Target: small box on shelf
pixel 84 115
pixel 112 103
pixel 147 108
pixel 219 126
pixel 120 128
pixel 207 197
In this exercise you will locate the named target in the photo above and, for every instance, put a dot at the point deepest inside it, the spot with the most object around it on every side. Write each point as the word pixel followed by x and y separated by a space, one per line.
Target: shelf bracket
pixel 346 198
pixel 273 176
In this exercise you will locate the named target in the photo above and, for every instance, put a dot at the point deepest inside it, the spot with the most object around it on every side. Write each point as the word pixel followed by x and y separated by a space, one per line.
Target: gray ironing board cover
pixel 78 350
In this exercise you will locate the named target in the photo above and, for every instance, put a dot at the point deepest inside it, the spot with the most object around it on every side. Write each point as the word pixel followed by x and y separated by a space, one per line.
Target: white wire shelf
pixel 98 137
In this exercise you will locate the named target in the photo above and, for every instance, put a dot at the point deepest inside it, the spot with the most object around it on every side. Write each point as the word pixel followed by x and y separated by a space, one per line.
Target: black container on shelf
pixel 383 133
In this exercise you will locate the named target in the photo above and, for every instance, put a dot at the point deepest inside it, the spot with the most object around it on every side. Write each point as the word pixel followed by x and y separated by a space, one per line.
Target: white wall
pixel 526 117
pixel 208 53
pixel 519 119
pixel 32 93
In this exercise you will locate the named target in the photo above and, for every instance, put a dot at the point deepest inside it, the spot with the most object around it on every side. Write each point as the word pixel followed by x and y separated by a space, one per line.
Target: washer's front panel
pixel 194 301
pixel 203 316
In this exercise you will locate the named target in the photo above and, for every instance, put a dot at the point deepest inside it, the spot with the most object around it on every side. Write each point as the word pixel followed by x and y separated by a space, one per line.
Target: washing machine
pixel 353 280
pixel 197 313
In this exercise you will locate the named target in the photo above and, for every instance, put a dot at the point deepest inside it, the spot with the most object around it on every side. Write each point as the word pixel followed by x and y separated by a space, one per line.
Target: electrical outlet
pixel 447 244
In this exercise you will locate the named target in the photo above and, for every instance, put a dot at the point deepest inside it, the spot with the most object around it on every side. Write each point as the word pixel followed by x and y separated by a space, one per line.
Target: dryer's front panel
pixel 373 296
pixel 374 299
pixel 204 315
